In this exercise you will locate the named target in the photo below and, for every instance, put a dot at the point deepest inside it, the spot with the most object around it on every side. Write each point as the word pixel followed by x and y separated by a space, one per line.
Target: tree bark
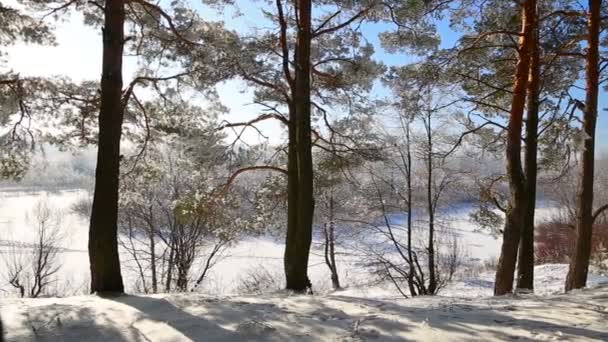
pixel 579 263
pixel 103 244
pixel 525 268
pixel 517 202
pixel 432 289
pixel 300 169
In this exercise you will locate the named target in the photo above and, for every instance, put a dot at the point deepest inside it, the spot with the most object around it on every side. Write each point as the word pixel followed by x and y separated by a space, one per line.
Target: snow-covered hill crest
pixel 580 316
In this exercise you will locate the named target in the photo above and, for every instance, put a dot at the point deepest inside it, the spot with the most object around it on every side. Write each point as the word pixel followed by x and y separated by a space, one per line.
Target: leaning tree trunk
pixel 517 202
pixel 103 244
pixel 525 264
pixel 300 169
pixel 330 254
pixel 579 263
pixel 330 246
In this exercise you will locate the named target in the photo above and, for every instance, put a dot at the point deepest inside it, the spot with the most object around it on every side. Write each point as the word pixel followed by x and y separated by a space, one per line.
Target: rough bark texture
pixel 103 244
pixel 579 263
pixel 517 202
pixel 300 207
pixel 525 264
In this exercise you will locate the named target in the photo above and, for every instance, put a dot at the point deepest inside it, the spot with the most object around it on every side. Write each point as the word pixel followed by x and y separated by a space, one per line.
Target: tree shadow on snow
pixel 258 321
pixel 298 318
pixel 67 323
pixel 160 311
pixel 475 318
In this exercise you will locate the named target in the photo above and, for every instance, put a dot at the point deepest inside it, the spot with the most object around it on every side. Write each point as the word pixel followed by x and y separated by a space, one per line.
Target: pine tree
pixel 517 202
pixel 309 62
pixel 579 263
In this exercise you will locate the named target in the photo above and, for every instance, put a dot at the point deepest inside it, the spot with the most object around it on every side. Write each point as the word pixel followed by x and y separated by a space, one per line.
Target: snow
pixel 283 317
pixel 464 310
pixel 16 204
pixel 548 280
pixel 246 255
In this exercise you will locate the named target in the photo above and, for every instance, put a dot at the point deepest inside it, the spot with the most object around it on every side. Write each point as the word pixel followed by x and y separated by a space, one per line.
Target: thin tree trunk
pixel 208 264
pixel 133 251
pixel 579 263
pixel 517 202
pixel 170 264
pixel 300 168
pixel 407 164
pixel 430 207
pixel 335 278
pixel 330 246
pixel 103 233
pixel 153 263
pixel 151 235
pixel 525 269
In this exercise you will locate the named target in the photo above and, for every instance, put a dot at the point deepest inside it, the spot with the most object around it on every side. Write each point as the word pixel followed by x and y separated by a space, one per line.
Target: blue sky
pixel 253 18
pixel 78 55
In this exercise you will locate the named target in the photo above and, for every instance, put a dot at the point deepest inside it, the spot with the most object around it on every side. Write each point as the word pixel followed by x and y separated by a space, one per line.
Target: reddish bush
pixel 554 241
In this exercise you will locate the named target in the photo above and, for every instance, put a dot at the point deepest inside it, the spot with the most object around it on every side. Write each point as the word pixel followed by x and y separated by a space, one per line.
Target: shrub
pixel 259 280
pixel 555 241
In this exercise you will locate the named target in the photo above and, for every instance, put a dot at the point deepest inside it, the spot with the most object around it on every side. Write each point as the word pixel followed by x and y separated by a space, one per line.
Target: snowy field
pixel 16 227
pixel 359 312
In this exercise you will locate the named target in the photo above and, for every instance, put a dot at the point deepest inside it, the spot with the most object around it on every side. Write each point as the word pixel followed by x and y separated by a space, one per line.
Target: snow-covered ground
pixel 244 256
pixel 464 311
pixel 340 316
pixel 17 226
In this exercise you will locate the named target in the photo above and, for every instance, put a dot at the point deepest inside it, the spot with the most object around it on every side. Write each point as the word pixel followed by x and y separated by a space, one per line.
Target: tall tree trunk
pixel 525 268
pixel 432 289
pixel 407 164
pixel 103 244
pixel 293 275
pixel 579 263
pixel 517 202
pixel 300 169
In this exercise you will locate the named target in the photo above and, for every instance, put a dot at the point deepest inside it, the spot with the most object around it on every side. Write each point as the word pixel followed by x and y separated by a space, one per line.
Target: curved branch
pixel 129 91
pixel 320 31
pixel 149 6
pixel 599 211
pixel 238 172
pixel 253 121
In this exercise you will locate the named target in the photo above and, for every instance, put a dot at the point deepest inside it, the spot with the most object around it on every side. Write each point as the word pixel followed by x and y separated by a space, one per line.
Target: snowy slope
pixel 244 256
pixel 280 317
